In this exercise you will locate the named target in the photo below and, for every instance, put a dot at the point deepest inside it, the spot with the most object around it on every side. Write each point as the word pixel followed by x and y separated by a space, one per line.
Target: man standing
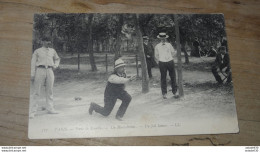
pixel 44 60
pixel 115 89
pixel 164 53
pixel 221 63
pixel 196 50
pixel 148 51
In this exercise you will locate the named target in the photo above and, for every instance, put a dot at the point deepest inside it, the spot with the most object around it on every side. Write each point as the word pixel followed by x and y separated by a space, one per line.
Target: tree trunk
pixel 145 80
pixel 179 68
pixel 185 53
pixel 100 46
pixel 90 44
pixel 78 61
pixel 118 37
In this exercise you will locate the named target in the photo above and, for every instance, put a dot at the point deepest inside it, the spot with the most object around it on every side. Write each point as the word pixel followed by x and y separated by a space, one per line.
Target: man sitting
pixel 222 64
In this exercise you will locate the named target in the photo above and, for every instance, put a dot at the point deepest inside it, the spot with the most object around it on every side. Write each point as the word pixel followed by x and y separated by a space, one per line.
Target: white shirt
pixel 44 56
pixel 164 52
pixel 117 79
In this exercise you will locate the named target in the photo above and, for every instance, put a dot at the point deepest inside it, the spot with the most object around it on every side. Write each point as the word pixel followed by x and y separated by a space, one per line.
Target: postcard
pixel 119 75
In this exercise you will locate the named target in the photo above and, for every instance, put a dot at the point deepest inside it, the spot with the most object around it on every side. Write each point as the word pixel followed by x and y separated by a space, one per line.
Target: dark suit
pixel 196 51
pixel 149 55
pixel 221 63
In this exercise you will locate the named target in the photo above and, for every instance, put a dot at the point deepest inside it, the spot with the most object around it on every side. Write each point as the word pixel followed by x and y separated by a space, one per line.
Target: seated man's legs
pixel 229 77
pixel 216 75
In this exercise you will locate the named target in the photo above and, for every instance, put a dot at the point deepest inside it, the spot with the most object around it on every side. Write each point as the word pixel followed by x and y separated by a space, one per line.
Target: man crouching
pixel 115 89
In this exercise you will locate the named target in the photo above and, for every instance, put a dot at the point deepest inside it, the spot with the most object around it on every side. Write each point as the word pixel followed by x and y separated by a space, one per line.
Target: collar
pixel 120 75
pixel 162 44
pixel 46 48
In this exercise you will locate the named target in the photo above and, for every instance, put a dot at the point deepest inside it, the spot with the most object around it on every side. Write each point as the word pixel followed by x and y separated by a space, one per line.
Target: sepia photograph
pixel 118 75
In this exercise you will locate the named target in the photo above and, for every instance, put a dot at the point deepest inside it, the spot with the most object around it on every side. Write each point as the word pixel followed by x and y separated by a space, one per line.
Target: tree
pixel 179 69
pixel 185 34
pixel 145 80
pixel 90 44
pixel 118 37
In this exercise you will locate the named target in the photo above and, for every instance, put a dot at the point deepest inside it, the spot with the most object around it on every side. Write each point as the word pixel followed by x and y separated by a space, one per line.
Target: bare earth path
pixel 205 105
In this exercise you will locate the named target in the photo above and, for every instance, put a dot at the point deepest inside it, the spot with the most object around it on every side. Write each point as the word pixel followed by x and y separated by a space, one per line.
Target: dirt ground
pixel 205 108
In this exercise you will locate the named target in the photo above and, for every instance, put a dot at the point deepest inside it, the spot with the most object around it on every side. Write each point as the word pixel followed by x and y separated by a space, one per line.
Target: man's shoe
pixel 164 96
pixel 52 111
pixel 91 109
pixel 119 118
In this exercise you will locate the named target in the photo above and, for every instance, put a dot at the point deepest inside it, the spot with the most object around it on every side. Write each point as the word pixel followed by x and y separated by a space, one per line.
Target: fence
pixel 103 61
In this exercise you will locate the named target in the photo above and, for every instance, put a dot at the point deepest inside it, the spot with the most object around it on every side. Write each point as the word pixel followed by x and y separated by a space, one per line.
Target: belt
pixel 43 66
pixel 166 61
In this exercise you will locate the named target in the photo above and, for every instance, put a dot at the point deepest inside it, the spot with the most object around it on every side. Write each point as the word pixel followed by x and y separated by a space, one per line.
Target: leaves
pixel 69 31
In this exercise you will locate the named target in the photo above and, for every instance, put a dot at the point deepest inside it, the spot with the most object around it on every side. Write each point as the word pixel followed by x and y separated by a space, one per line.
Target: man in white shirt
pixel 44 60
pixel 164 53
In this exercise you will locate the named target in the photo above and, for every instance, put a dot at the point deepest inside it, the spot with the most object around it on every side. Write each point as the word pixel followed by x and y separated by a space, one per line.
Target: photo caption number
pixel 177 124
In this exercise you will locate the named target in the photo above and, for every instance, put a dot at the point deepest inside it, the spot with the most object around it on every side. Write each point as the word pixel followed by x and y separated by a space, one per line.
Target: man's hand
pixel 132 78
pixel 54 67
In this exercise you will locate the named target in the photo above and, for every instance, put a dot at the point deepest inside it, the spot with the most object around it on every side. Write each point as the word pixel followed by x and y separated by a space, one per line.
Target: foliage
pixel 69 33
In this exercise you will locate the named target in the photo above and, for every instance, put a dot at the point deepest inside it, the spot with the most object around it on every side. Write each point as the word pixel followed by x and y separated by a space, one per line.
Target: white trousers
pixel 43 77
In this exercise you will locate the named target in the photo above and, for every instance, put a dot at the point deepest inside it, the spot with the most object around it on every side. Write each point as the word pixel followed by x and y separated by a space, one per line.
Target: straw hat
pixel 119 63
pixel 162 35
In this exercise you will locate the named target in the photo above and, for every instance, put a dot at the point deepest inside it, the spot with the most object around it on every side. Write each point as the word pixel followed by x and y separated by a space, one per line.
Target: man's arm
pixel 118 80
pixel 173 51
pixel 156 54
pixel 56 59
pixel 33 64
pixel 151 50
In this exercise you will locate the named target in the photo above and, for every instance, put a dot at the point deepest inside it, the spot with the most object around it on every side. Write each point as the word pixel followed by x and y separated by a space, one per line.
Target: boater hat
pixel 162 35
pixel 119 63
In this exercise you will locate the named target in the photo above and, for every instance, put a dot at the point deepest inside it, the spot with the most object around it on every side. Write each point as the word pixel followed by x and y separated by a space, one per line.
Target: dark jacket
pixel 222 62
pixel 149 51
pixel 112 89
